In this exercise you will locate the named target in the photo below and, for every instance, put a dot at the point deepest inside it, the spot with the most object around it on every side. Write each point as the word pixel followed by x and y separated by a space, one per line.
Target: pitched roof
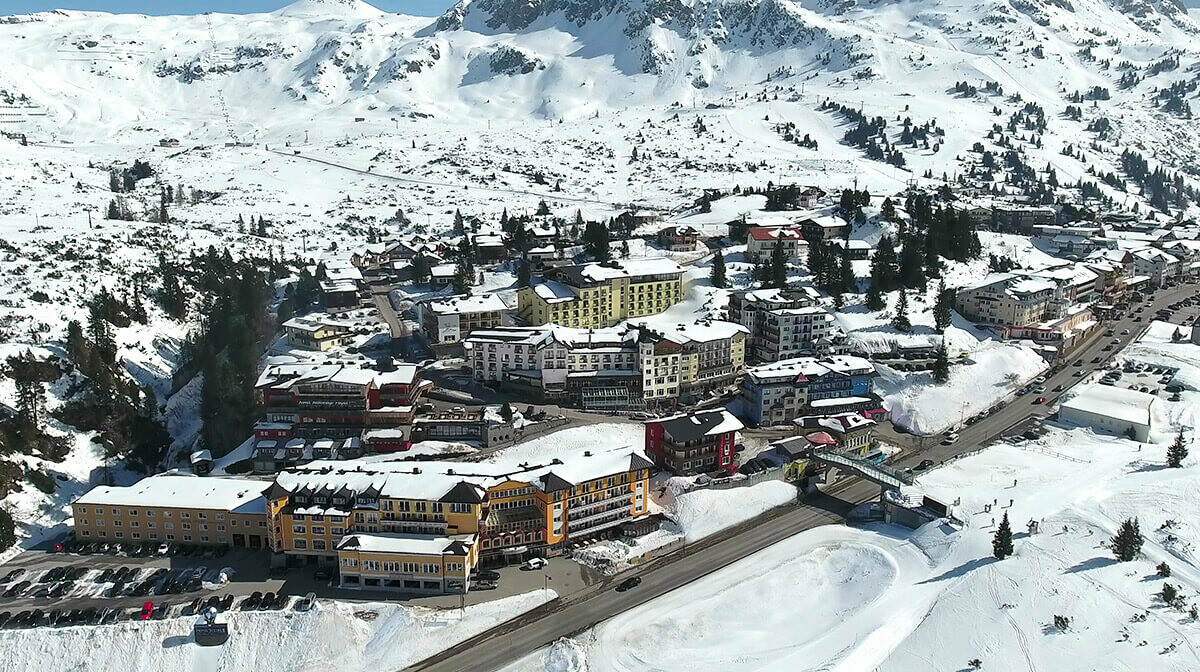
pixel 692 426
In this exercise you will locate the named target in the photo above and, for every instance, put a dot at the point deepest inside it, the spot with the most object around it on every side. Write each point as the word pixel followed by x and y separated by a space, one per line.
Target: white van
pixel 534 563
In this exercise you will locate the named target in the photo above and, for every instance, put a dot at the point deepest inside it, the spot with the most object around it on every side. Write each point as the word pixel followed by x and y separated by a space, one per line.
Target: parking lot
pixel 43 587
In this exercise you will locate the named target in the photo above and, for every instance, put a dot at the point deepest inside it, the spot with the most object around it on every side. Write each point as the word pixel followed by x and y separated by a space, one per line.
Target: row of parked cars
pixel 32 618
pixel 125 581
pixel 131 550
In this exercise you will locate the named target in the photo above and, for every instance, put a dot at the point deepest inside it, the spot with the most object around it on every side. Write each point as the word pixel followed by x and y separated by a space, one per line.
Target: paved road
pixel 533 630
pixel 563 617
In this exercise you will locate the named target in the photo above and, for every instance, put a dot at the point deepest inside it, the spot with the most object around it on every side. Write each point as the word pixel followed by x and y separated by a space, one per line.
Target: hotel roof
pixel 458 305
pixel 283 376
pixel 414 544
pixel 234 495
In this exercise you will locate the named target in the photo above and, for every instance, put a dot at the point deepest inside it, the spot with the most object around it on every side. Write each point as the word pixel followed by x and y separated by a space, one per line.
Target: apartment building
pixel 601 295
pixel 781 391
pixel 694 443
pixel 711 355
pixel 612 369
pixel 1006 299
pixel 321 400
pixel 678 238
pixel 1161 267
pixel 761 242
pixel 177 508
pixel 783 323
pixel 424 526
pixel 317 331
pixel 824 227
pixel 449 320
pixel 1023 219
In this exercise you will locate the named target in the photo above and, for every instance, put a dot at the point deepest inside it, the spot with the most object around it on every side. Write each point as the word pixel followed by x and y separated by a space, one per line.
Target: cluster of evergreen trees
pixel 1164 189
pixel 225 345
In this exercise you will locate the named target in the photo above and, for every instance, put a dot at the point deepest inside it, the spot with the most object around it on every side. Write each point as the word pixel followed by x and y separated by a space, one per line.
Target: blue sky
pixel 417 7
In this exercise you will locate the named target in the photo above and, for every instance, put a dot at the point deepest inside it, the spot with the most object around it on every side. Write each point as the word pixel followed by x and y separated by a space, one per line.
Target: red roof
pixel 773 232
pixel 821 438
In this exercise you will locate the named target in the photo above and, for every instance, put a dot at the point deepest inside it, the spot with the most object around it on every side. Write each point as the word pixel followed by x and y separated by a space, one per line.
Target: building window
pixel 410 568
pixel 120 535
pixel 430 568
pixel 149 513
pixel 350 562
pixel 298 529
pixel 337 531
pixel 301 544
pixel 318 544
pixel 370 565
pixel 169 526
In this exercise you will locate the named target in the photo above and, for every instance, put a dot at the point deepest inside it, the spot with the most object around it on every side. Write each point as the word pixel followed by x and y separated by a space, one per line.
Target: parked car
pixel 147 611
pixel 534 563
pixel 487 575
pixel 4 618
pixel 484 585
pixel 267 600
pixel 627 584
pixel 17 588
pixel 252 601
pixel 1039 400
pixel 925 465
pixel 950 439
pixel 13 575
pixel 305 603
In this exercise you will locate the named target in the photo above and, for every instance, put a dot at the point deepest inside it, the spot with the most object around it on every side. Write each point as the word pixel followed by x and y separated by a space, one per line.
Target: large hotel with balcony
pixel 593 296
pixel 386 523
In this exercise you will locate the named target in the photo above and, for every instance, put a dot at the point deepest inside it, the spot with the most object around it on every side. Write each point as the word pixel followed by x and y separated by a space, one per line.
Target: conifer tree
pixel 1002 542
pixel 941 366
pixel 942 307
pixel 1177 452
pixel 718 269
pixel 506 412
pixel 900 319
pixel 1126 544
pixel 874 297
pixel 459 228
pixel 779 266
pixel 523 272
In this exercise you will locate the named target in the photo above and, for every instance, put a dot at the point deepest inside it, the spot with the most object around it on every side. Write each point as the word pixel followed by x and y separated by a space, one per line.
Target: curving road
pixel 563 617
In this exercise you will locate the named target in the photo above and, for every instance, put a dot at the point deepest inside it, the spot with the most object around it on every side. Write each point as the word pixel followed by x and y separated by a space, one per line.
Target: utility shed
pixel 1111 409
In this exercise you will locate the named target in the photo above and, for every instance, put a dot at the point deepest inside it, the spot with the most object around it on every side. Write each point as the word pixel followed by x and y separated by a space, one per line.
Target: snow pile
pixel 705 511
pixel 337 635
pixel 987 377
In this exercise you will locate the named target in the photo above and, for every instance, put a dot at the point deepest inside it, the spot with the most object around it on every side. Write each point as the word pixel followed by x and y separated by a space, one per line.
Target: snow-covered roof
pixel 315 322
pixel 838 401
pixel 393 476
pixel 775 233
pixel 552 291
pixel 286 375
pixel 459 305
pixel 234 495
pixel 408 544
pixel 807 367
pixel 692 426
pixel 699 332
pixel 1113 402
pixel 626 268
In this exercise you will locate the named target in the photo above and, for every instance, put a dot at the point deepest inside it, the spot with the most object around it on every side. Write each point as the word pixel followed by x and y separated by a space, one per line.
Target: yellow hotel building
pixel 424 526
pixel 594 296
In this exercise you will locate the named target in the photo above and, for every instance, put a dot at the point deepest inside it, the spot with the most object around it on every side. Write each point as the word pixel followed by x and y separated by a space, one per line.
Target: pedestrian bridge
pixel 876 473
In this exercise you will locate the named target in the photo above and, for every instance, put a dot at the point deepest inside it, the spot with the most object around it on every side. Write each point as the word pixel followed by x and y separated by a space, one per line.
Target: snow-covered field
pixel 354 637
pixel 887 598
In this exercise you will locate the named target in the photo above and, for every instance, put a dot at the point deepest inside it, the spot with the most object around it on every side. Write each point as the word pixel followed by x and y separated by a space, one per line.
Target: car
pixel 16 589
pixel 104 576
pixel 484 585
pixel 13 575
pixel 4 618
pixel 54 617
pixel 1124 332
pixel 1108 332
pixel 281 601
pixel 165 547
pixel 1039 400
pixel 305 603
pixel 1058 388
pixel 924 465
pixel 142 589
pixel 628 584
pixel 267 600
pixel 192 585
pixel 1039 389
pixel 147 611
pixel 1079 374
pixel 199 572
pixel 534 563
pixel 949 439
pixel 1107 348
pixel 1039 380
pixel 487 575
pixel 251 601
pixel 225 602
pixel 1022 392
pixel 1115 341
pixel 1079 362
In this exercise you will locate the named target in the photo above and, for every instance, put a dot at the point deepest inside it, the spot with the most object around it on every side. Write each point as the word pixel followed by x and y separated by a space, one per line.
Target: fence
pixel 740 480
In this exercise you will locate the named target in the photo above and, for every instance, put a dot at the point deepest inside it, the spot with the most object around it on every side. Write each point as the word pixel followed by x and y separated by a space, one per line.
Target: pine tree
pixel 420 268
pixel 506 412
pixel 543 209
pixel 462 279
pixel 1177 452
pixel 1126 544
pixel 874 297
pixel 912 257
pixel 779 266
pixel 718 269
pixel 900 319
pixel 459 228
pixel 941 366
pixel 941 308
pixel 1002 542
pixel 162 206
pixel 523 272
pixel 520 236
